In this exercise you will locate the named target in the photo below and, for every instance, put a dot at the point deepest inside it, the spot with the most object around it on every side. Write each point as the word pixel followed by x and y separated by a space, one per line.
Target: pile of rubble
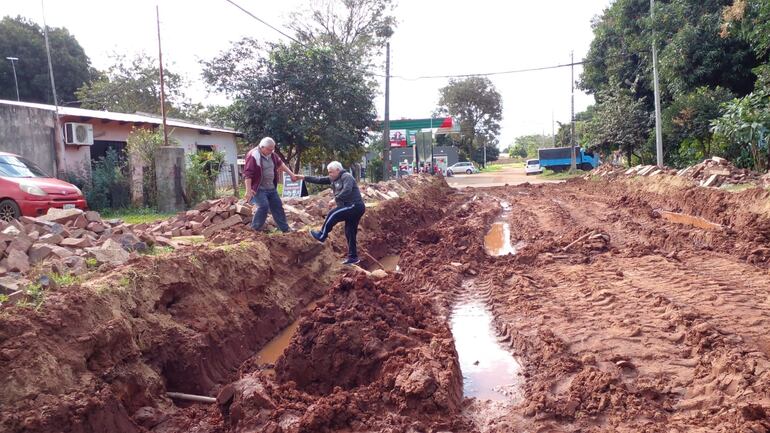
pixel 717 171
pixel 713 172
pixel 67 241
pixel 70 241
pixel 212 216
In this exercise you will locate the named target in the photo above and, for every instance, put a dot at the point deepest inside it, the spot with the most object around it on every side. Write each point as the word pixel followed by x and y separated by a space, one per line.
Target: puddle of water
pixel 489 371
pixel 389 262
pixel 272 350
pixel 497 242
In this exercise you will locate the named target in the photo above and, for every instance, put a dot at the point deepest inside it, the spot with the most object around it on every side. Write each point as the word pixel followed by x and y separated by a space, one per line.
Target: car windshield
pixel 534 162
pixel 16 166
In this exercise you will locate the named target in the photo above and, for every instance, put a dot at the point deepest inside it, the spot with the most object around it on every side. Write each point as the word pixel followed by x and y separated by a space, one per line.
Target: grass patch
pixel 491 168
pixel 159 251
pixel 136 215
pixel 563 175
pixel 738 187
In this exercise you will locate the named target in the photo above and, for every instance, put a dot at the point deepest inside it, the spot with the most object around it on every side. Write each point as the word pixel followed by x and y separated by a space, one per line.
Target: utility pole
pixel 658 123
pixel 573 162
pixel 162 82
pixel 386 127
pixel 15 80
pixel 58 141
pixel 553 130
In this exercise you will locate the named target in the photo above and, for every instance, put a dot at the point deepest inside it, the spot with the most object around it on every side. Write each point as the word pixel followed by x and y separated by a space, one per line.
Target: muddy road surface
pixel 639 305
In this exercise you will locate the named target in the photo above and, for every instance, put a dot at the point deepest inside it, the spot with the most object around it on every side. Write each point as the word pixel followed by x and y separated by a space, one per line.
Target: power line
pixel 423 77
pixel 244 10
pixel 488 74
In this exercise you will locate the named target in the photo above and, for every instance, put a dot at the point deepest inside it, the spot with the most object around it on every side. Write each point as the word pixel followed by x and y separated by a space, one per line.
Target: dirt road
pixel 509 175
pixel 621 321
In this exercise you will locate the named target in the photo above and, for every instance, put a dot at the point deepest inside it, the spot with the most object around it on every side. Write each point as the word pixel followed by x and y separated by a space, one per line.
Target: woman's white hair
pixel 334 165
pixel 267 142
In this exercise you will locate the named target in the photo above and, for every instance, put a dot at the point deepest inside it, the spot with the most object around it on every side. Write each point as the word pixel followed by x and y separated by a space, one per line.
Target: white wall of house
pixel 190 139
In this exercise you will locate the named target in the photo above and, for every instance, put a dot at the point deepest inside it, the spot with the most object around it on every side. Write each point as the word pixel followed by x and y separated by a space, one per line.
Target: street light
pixel 13 65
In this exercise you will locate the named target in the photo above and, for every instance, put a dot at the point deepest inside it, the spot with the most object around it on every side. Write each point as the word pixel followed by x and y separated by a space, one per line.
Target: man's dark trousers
pixel 351 214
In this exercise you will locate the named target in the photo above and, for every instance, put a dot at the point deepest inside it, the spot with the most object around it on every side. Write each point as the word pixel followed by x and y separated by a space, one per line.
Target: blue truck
pixel 560 159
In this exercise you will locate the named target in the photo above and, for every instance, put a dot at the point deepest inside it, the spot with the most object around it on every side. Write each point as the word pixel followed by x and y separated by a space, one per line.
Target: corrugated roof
pixel 119 117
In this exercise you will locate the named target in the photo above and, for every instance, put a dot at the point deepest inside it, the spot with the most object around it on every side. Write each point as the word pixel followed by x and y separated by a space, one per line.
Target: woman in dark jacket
pixel 350 207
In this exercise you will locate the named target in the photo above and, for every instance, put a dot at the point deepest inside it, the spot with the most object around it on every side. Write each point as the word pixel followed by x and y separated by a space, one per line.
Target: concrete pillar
pixel 136 180
pixel 169 171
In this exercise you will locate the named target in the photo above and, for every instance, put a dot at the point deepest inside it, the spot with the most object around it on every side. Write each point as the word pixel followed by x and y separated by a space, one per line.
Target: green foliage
pixel 692 52
pixel 109 183
pixel 687 135
pixel 142 146
pixel 136 215
pixel 620 122
pixel 133 85
pixel 374 170
pixel 746 123
pixel 22 38
pixel 750 20
pixel 92 263
pixel 201 174
pixel 526 146
pixel 360 27
pixel 477 105
pixel 315 102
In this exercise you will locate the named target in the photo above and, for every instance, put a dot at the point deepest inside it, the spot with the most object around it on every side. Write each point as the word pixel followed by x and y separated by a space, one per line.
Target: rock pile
pixel 67 241
pixel 70 241
pixel 717 171
pixel 713 172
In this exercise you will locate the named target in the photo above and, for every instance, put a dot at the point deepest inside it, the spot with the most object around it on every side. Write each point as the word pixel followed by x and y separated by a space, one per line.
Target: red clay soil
pixel 99 356
pixel 622 322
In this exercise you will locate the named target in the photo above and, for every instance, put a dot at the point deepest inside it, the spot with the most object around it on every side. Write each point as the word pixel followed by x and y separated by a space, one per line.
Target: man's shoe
pixel 352 261
pixel 316 235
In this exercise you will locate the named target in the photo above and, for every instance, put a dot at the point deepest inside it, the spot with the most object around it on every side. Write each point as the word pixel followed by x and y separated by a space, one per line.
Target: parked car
pixel 462 167
pixel 26 190
pixel 532 166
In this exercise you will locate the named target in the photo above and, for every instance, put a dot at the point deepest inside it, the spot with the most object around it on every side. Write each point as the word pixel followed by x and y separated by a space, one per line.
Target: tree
pixel 692 52
pixel 358 28
pixel 24 39
pixel 478 107
pixel 527 146
pixel 133 85
pixel 687 134
pixel 620 122
pixel 750 20
pixel 316 107
pixel 746 122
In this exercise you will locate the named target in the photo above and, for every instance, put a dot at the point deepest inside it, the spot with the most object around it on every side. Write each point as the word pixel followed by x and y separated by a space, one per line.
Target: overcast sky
pixel 433 37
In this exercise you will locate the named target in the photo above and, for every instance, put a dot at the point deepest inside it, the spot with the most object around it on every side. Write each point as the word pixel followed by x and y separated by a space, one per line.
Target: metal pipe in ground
pixel 191 397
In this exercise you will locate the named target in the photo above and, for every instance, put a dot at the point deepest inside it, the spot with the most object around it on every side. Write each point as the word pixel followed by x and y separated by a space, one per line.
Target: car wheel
pixel 9 210
pixel 469 171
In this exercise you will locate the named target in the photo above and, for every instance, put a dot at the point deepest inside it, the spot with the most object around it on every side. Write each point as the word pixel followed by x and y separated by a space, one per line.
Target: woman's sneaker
pixel 316 235
pixel 352 261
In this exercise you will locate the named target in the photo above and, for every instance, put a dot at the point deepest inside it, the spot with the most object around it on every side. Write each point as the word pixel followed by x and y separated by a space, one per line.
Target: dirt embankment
pixel 99 356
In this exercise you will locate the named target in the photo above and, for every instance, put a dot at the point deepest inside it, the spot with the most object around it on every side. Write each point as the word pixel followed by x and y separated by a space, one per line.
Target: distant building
pixel 27 129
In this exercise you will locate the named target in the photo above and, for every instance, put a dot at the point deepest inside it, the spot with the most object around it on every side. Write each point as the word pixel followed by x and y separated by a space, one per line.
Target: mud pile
pixel 369 358
pixel 99 356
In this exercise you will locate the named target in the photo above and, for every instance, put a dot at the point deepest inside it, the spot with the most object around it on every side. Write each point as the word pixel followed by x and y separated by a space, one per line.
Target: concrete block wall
pixel 28 132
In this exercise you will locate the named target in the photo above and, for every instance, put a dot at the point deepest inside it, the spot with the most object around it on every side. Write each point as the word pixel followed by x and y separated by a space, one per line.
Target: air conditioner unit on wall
pixel 80 134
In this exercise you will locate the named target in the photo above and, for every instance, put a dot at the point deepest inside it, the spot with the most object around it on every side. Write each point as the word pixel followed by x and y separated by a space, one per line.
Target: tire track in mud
pixel 629 320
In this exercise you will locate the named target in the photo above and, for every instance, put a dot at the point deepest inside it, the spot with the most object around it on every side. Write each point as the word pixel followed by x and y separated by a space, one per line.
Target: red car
pixel 26 190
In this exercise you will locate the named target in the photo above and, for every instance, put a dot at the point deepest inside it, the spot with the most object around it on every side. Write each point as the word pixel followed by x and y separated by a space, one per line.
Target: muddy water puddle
pixel 489 371
pixel 389 263
pixel 275 348
pixel 498 243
